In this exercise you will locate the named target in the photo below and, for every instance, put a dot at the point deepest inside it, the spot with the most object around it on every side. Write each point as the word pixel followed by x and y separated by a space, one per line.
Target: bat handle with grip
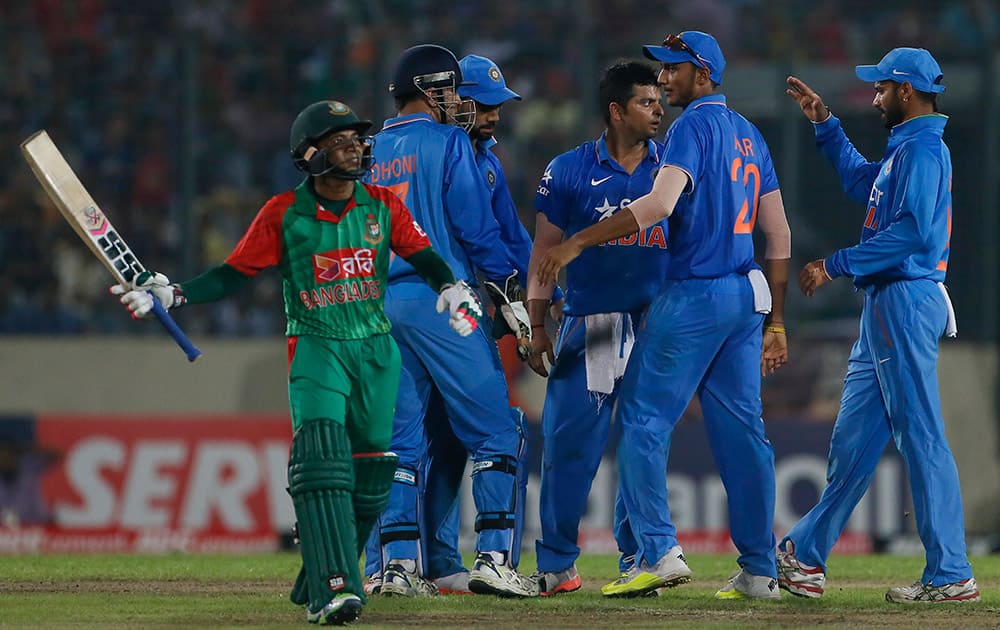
pixel 175 331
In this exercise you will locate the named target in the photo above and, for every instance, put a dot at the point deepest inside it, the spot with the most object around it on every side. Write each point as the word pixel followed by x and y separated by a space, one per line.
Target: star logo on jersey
pixel 547 176
pixel 605 209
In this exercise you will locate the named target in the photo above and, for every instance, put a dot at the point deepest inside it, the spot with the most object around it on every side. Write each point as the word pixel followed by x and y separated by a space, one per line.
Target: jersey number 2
pixel 743 225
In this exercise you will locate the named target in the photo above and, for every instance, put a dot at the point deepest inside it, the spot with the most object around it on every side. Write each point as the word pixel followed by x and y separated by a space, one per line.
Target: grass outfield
pixel 251 591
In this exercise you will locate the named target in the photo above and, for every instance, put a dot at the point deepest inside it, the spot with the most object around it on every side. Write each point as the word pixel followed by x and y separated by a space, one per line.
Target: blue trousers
pixel 467 373
pixel 575 424
pixel 701 336
pixel 891 391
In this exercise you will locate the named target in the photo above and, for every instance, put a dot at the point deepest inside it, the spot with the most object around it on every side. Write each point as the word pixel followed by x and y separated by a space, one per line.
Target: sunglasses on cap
pixel 676 44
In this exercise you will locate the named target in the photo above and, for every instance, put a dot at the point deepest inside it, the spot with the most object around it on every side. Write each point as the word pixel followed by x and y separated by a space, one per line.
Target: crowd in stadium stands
pixel 150 100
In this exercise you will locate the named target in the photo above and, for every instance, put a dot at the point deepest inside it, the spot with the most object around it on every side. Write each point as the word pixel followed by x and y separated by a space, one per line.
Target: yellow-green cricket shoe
pixel 746 585
pixel 670 570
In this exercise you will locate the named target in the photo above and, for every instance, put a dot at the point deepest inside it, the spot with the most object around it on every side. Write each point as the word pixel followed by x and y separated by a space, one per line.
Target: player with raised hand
pixel 703 332
pixel 424 154
pixel 331 239
pixel 608 290
pixel 891 388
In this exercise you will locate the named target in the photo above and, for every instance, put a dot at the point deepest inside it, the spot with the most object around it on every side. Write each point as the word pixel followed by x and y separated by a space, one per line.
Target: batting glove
pixel 139 296
pixel 463 306
pixel 513 316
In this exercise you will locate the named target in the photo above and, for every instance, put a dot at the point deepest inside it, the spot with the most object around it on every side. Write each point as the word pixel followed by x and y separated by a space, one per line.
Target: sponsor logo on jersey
pixel 598 182
pixel 341 264
pixel 373 231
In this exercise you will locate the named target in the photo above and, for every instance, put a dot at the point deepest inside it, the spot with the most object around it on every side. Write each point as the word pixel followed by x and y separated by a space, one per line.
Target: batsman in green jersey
pixel 331 239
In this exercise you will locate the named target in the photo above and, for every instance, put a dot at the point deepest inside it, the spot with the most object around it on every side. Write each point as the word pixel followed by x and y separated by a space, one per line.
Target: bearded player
pixel 330 238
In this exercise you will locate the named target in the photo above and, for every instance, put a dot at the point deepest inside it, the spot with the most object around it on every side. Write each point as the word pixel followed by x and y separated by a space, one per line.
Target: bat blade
pixel 80 210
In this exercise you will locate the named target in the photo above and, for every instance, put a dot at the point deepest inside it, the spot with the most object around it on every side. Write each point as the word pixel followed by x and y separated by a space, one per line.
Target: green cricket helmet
pixel 315 123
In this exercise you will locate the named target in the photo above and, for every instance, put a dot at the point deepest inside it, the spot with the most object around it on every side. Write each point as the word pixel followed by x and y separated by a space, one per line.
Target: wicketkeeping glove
pixel 139 297
pixel 463 307
pixel 512 316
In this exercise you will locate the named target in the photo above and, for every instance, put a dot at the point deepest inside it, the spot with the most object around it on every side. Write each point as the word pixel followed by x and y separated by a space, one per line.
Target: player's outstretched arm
pixel 809 102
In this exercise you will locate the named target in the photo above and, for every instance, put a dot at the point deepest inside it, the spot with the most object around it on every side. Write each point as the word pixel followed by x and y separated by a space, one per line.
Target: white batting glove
pixel 139 297
pixel 463 307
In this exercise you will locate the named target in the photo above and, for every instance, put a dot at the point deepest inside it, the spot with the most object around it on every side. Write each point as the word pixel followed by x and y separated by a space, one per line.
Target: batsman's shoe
pixel 559 582
pixel 746 585
pixel 962 592
pixel 797 578
pixel 342 609
pixel 398 580
pixel 492 577
pixel 454 584
pixel 373 584
pixel 669 571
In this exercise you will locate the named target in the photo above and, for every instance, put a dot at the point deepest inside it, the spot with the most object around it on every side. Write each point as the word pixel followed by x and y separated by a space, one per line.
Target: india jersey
pixel 334 268
pixel 431 167
pixel 584 186
pixel 711 232
pixel 907 230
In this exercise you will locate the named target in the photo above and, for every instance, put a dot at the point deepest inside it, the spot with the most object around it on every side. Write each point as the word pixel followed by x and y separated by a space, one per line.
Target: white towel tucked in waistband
pixel 761 292
pixel 609 341
pixel 951 328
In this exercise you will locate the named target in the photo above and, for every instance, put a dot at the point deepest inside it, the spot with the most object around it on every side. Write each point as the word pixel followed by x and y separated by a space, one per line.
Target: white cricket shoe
pixel 401 581
pixel 963 592
pixel 798 578
pixel 492 577
pixel 373 584
pixel 558 582
pixel 342 609
pixel 746 585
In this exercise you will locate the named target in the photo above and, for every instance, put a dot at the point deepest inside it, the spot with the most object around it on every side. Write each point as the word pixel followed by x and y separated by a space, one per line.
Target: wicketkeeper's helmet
pixel 425 68
pixel 316 122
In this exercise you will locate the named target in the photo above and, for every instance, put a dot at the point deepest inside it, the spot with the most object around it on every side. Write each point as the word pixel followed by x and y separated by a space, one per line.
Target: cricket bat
pixel 78 207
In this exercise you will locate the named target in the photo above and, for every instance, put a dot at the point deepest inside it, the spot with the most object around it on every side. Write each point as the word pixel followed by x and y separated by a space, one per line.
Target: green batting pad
pixel 321 481
pixel 373 473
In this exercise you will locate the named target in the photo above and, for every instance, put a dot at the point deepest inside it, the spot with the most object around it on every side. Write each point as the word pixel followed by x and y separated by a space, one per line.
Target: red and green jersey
pixel 335 268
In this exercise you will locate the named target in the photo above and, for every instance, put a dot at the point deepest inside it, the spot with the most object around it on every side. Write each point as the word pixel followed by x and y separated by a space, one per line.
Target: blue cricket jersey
pixel 711 229
pixel 447 200
pixel 513 232
pixel 907 230
pixel 584 186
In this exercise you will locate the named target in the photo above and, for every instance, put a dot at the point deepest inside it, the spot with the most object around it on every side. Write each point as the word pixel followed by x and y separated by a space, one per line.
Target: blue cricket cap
pixel 915 65
pixel 484 82
pixel 696 47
